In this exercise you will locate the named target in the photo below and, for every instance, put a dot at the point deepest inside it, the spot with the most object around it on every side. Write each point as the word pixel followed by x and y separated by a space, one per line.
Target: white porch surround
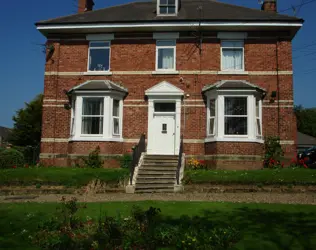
pixel 163 92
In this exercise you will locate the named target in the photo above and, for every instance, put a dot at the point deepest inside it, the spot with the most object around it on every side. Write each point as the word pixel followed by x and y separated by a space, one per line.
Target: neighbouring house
pixel 220 75
pixel 4 136
pixel 305 141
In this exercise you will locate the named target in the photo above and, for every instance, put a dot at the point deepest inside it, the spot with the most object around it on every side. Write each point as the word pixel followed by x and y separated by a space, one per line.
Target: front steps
pixel 157 174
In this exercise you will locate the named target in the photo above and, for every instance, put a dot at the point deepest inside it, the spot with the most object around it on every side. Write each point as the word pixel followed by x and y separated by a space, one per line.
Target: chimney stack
pixel 85 5
pixel 269 5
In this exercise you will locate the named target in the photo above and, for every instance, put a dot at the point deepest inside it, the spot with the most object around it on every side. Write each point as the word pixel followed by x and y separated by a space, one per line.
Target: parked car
pixel 309 156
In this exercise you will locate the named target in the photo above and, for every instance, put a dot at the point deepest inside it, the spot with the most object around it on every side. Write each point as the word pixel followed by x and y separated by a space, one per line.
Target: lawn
pixel 297 176
pixel 70 177
pixel 262 226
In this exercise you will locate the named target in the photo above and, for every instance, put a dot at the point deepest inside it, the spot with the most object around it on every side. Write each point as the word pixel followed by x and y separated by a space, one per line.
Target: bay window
pixel 97 111
pixel 232 55
pixel 234 111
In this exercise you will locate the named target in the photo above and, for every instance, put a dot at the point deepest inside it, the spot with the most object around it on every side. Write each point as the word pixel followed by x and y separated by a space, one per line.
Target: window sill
pixel 165 72
pixel 231 72
pixel 97 73
pixel 83 139
pixel 233 139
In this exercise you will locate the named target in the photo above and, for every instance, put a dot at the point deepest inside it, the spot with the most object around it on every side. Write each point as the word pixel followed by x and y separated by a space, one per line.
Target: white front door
pixel 163 137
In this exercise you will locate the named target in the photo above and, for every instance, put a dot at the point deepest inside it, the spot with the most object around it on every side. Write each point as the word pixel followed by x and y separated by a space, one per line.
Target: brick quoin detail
pixel 139 55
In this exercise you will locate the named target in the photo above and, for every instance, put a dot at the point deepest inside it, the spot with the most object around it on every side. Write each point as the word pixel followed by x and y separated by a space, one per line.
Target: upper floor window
pixel 166 55
pixel 99 56
pixel 232 54
pixel 167 7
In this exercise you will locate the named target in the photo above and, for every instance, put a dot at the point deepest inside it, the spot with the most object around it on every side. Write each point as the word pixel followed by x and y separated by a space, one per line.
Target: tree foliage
pixel 306 120
pixel 28 124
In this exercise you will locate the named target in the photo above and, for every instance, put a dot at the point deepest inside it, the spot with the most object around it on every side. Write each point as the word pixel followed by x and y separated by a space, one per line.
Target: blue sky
pixel 22 60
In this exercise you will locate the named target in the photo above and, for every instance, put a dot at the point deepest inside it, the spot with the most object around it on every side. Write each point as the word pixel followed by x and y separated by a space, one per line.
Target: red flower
pixel 202 162
pixel 26 166
pixel 282 165
pixel 13 166
pixel 306 159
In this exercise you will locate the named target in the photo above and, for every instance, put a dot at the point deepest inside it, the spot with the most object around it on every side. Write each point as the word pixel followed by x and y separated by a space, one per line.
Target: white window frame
pixel 83 116
pixel 209 117
pixel 259 102
pixel 108 126
pixel 174 47
pixel 243 116
pixel 219 131
pixel 119 117
pixel 243 55
pixel 166 5
pixel 99 48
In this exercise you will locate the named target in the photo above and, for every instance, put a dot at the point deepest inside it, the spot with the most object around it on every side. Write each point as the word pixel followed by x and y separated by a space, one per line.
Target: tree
pixel 306 120
pixel 28 124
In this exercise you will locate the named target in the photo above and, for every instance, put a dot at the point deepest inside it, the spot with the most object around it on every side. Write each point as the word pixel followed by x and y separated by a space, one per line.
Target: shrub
pixel 11 158
pixel 126 161
pixel 93 160
pixel 273 152
pixel 196 164
pixel 143 229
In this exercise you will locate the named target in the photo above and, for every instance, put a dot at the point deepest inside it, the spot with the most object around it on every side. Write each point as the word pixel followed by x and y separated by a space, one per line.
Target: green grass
pixel 265 176
pixel 70 177
pixel 262 226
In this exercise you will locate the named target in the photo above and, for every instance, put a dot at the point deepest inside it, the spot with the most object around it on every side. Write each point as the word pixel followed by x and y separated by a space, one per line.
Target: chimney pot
pixel 269 5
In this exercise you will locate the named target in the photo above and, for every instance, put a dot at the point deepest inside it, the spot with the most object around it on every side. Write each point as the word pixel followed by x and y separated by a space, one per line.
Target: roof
pixel 4 132
pixel 146 11
pixel 233 84
pixel 99 85
pixel 307 140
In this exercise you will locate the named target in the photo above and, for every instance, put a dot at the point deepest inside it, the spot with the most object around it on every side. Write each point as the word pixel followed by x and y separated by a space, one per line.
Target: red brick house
pixel 218 74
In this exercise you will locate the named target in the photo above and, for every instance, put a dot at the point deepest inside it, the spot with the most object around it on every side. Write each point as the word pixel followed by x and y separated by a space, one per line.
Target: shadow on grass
pixel 260 229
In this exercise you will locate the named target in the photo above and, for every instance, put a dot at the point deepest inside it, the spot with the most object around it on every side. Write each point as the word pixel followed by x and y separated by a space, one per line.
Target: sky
pixel 22 60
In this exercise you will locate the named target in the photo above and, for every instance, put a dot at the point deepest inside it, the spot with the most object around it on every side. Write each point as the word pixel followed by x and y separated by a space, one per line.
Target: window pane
pixel 235 105
pixel 258 127
pixel 165 59
pixel 212 107
pixel 165 107
pixel 232 59
pixel 257 109
pixel 163 10
pixel 166 43
pixel 211 128
pixel 171 10
pixel 99 44
pixel 92 106
pixel 235 125
pixel 233 44
pixel 171 2
pixel 163 1
pixel 116 126
pixel 116 108
pixel 99 59
pixel 92 125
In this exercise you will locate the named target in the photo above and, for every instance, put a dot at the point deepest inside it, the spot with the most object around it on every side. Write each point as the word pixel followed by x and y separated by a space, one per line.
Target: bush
pixel 143 229
pixel 93 160
pixel 11 158
pixel 196 164
pixel 273 152
pixel 126 161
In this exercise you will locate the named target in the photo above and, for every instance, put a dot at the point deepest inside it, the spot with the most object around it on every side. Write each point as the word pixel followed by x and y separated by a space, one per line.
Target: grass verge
pixel 69 177
pixel 263 226
pixel 266 176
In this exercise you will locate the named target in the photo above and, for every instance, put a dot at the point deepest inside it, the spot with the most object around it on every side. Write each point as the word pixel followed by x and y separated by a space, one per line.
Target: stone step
pixel 156 181
pixel 162 157
pixel 154 177
pixel 169 190
pixel 158 161
pixel 154 186
pixel 157 172
pixel 151 167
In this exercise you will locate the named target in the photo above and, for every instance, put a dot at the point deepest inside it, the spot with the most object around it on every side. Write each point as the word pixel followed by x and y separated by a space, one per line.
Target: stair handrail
pixel 180 160
pixel 137 152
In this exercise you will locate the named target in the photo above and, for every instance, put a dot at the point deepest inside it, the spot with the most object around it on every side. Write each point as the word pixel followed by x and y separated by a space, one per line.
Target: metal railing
pixel 179 160
pixel 137 152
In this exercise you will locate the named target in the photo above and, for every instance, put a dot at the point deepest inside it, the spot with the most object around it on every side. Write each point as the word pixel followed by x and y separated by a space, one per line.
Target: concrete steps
pixel 157 174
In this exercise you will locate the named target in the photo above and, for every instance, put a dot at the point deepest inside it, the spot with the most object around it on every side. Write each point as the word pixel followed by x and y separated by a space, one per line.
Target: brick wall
pixel 139 55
